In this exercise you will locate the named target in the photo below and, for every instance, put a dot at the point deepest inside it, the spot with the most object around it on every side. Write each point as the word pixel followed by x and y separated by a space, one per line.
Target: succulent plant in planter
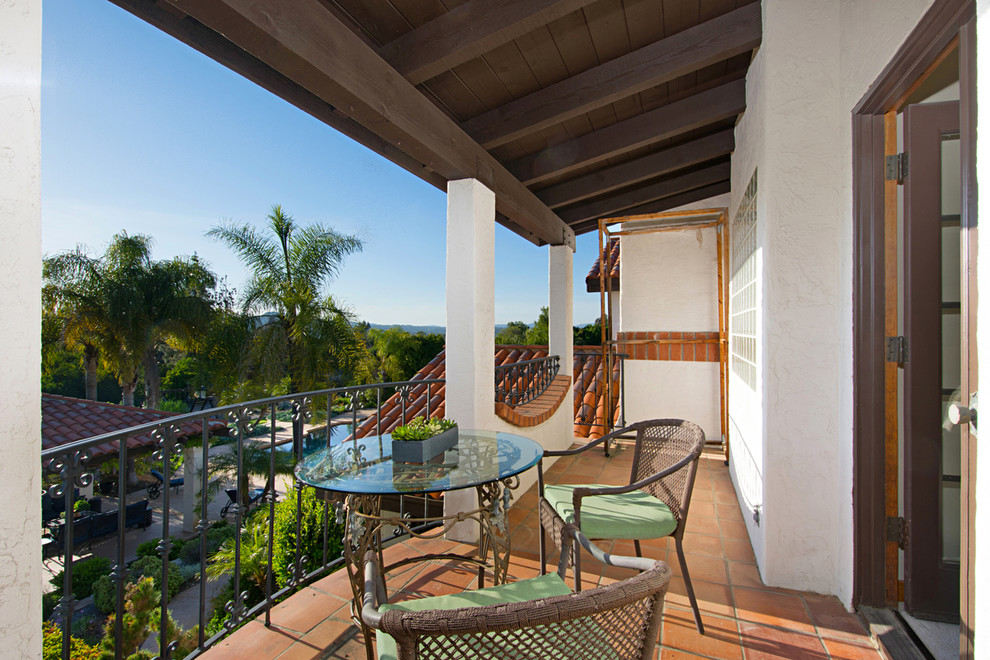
pixel 422 439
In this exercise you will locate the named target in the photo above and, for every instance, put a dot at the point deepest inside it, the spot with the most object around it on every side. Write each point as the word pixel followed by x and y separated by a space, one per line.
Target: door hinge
pixel 897 531
pixel 897 349
pixel 897 167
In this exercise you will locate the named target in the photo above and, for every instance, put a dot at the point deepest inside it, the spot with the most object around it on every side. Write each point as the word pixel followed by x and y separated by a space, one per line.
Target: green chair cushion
pixel 543 586
pixel 635 515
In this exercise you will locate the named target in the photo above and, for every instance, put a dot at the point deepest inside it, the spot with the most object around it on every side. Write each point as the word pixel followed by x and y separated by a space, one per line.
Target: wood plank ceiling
pixel 570 110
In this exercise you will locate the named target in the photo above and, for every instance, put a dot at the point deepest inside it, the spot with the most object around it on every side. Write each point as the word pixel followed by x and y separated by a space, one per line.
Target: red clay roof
pixel 592 279
pixel 66 419
pixel 589 400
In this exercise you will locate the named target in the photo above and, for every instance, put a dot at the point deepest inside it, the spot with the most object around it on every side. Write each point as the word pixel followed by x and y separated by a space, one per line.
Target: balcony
pixel 308 616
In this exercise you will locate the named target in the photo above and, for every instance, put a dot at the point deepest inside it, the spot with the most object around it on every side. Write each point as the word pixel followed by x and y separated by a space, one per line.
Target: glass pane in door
pixel 951 344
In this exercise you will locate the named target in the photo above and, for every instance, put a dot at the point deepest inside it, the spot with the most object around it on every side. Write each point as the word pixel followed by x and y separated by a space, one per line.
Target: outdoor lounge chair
pixel 535 618
pixel 155 489
pixel 254 495
pixel 653 505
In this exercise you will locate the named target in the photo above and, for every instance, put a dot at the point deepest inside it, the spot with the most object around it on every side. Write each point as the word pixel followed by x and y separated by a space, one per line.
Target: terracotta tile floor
pixel 743 618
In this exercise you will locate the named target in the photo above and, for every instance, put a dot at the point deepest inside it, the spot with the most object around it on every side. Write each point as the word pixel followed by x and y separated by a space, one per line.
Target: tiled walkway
pixel 743 618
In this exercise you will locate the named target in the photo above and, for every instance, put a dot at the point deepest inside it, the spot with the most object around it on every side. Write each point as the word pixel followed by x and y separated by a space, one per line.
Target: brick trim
pixel 670 346
pixel 539 409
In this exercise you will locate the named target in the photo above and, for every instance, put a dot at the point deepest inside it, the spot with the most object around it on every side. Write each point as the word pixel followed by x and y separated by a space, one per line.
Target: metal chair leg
pixel 543 550
pixel 577 567
pixel 690 589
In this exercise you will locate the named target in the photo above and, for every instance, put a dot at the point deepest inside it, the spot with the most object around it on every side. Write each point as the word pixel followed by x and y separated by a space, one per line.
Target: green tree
pixel 539 334
pixel 589 335
pixel 122 306
pixel 514 333
pixel 305 335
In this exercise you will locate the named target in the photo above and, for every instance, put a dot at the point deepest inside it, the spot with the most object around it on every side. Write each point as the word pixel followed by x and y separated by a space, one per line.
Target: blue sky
pixel 142 133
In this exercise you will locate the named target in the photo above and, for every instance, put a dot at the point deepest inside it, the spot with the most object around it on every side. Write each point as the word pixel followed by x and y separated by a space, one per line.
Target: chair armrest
pixel 372 579
pixel 582 492
pixel 640 564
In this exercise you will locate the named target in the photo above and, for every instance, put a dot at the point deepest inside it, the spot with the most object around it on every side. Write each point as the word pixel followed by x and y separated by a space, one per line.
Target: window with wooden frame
pixel 742 288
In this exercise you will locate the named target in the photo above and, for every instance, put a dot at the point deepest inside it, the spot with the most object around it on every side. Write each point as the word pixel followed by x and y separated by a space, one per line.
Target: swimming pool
pixel 317 440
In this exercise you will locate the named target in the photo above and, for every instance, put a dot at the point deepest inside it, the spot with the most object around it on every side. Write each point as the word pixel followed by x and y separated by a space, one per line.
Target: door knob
pixel 960 414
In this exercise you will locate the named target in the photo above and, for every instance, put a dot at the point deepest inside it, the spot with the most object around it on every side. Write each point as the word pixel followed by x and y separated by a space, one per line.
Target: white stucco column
pixel 192 474
pixel 470 358
pixel 562 321
pixel 20 326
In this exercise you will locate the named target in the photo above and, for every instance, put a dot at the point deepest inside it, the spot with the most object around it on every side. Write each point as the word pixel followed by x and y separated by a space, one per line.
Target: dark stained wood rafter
pixel 467 31
pixel 638 170
pixel 661 205
pixel 617 203
pixel 568 110
pixel 667 121
pixel 307 44
pixel 710 42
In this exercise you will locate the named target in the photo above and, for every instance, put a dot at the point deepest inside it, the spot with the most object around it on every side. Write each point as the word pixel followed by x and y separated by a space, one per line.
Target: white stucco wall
pixel 669 282
pixel 815 63
pixel 20 326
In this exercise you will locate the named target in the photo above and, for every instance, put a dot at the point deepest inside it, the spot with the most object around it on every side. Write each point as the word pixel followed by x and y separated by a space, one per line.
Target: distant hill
pixel 413 329
pixel 428 329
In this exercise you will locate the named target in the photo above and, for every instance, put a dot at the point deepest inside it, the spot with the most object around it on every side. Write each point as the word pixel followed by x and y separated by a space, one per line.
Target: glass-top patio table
pixel 358 472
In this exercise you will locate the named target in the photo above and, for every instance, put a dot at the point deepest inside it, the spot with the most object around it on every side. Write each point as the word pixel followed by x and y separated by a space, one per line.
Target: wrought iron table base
pixel 365 523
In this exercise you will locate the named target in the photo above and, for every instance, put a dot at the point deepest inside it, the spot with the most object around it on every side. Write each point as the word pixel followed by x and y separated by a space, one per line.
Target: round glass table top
pixel 365 465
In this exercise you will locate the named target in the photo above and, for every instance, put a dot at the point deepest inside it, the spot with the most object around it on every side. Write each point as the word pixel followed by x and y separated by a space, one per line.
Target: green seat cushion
pixel 635 515
pixel 543 586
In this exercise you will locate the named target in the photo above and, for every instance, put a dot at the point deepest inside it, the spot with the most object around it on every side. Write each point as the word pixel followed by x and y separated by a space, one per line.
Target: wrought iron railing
pixel 71 467
pixel 521 382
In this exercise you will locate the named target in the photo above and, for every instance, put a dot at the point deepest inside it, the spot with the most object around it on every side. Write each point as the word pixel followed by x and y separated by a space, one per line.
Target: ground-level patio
pixel 743 617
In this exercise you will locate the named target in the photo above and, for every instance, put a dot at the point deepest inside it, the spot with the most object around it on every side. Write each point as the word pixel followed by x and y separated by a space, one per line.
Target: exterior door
pixel 932 379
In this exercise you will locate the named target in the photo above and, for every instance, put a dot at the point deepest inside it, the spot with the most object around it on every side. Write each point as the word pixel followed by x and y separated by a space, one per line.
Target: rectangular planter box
pixel 420 451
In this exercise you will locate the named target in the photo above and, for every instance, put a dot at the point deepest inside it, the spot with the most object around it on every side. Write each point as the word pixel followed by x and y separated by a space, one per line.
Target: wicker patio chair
pixel 653 505
pixel 539 618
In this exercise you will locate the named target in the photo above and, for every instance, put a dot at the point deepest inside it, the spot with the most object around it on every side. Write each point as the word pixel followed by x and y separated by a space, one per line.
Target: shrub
pixel 190 552
pixel 84 574
pixel 148 549
pixel 188 572
pixel 215 537
pixel 105 595
pixel 151 567
pixel 218 605
pixel 311 539
pixel 148 566
pixel 49 602
pixel 52 645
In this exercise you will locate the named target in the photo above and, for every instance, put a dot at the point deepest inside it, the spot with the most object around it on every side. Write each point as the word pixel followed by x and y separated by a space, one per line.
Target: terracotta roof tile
pixel 589 403
pixel 66 419
pixel 592 279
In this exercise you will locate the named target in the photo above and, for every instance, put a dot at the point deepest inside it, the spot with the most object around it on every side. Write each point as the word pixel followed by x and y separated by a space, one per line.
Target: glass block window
pixel 742 289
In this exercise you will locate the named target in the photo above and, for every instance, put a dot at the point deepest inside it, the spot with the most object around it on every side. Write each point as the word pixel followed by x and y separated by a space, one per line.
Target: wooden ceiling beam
pixel 710 42
pixel 667 121
pixel 613 204
pixel 640 169
pixel 315 50
pixel 665 204
pixel 468 31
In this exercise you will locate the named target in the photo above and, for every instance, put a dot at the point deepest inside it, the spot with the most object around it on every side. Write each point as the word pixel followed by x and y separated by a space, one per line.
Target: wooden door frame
pixel 874 461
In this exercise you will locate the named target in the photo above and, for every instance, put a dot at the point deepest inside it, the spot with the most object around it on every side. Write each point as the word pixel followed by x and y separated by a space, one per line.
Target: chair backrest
pixel 620 620
pixel 661 444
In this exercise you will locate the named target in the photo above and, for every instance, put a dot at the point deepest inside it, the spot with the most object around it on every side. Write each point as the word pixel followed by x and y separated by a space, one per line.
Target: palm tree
pixel 120 307
pixel 303 334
